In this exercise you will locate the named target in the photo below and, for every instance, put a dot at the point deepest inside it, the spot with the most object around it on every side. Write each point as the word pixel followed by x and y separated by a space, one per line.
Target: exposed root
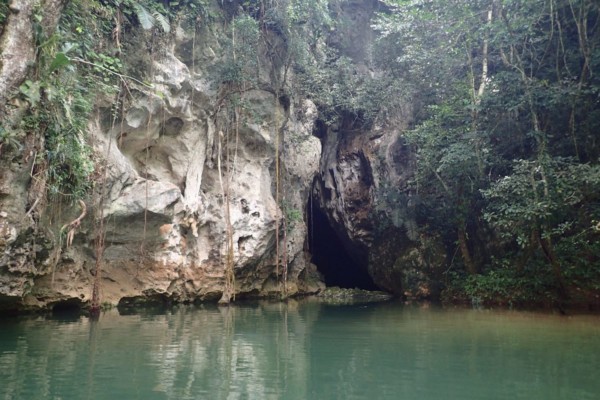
pixel 73 225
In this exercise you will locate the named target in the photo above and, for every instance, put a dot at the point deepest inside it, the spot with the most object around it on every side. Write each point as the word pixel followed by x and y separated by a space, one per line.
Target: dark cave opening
pixel 338 267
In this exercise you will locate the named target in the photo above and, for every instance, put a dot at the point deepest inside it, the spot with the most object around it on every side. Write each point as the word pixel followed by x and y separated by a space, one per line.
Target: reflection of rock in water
pixel 236 361
pixel 336 295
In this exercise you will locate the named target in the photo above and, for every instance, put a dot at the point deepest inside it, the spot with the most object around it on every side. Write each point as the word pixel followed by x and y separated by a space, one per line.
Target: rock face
pixel 171 180
pixel 184 199
pixel 361 186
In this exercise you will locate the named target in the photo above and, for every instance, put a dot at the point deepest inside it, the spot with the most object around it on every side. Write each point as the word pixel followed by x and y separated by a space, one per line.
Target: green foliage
pixel 334 82
pixel 8 140
pixel 241 66
pixel 338 88
pixel 292 215
pixel 4 11
pixel 549 194
pixel 504 286
pixel 504 140
pixel 150 14
pixel 557 200
pixel 67 158
pixel 149 20
pixel 70 164
pixel 73 65
pixel 447 154
pixel 506 95
pixel 199 10
pixel 86 57
pixel 426 43
pixel 580 254
pixel 31 91
pixel 309 20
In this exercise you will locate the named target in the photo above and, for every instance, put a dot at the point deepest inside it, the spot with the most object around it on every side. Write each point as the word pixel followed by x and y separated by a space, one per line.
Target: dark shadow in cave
pixel 331 258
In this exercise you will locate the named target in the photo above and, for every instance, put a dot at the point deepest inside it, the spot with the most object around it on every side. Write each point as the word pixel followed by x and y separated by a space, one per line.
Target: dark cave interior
pixel 330 256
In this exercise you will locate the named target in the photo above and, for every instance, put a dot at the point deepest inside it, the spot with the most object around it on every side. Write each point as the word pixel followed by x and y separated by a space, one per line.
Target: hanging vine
pixel 238 76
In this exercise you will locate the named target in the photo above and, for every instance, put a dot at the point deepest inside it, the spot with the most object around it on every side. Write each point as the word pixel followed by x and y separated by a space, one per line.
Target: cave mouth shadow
pixel 333 261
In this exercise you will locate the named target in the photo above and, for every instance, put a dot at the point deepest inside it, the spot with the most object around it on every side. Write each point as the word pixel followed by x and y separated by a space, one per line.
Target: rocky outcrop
pixel 337 296
pixel 363 177
pixel 360 187
pixel 169 176
pixel 182 196
pixel 17 47
pixel 25 249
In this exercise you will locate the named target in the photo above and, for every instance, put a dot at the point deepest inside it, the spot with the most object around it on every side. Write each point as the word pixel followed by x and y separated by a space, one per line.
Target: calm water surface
pixel 302 350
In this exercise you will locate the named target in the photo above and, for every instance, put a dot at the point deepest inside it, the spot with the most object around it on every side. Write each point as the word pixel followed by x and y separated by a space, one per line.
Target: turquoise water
pixel 302 350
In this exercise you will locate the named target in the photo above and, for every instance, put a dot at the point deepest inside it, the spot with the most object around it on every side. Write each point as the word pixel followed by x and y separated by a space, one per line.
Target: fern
pixel 146 19
pixel 412 230
pixel 149 20
pixel 162 20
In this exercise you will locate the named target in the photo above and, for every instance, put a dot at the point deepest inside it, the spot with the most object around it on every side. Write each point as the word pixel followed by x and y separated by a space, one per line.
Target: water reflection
pixel 301 350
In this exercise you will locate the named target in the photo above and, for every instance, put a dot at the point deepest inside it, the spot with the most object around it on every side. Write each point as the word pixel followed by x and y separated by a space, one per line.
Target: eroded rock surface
pixel 359 188
pixel 168 173
pixel 364 171
pixel 171 175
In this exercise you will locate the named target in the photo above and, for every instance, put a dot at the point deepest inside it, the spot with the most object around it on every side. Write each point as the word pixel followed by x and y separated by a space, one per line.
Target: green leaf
pixel 59 61
pixel 146 19
pixel 31 90
pixel 162 21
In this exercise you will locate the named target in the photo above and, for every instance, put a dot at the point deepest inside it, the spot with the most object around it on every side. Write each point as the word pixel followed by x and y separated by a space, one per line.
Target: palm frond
pixel 146 19
pixel 162 20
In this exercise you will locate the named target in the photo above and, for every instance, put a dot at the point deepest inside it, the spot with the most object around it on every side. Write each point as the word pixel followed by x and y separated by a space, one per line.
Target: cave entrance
pixel 334 262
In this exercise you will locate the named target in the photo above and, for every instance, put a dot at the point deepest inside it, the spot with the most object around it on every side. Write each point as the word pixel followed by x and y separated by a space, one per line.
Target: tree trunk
pixel 464 251
pixel 548 248
pixel 17 45
pixel 17 50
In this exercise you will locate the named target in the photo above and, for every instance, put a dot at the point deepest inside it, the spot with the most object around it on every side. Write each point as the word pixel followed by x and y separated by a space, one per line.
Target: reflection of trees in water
pixel 299 351
pixel 41 351
pixel 10 369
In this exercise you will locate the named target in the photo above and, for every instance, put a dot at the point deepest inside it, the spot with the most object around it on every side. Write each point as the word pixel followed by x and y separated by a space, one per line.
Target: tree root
pixel 73 225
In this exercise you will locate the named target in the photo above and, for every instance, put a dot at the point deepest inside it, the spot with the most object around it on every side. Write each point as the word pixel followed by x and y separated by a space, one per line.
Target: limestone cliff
pixel 201 188
pixel 363 175
pixel 170 181
pixel 363 172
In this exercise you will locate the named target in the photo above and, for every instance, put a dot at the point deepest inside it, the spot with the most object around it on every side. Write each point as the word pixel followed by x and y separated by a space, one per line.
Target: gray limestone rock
pixel 171 177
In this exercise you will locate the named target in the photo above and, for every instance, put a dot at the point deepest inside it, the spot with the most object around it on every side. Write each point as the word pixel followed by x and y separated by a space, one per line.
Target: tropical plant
pixel 8 140
pixel 506 100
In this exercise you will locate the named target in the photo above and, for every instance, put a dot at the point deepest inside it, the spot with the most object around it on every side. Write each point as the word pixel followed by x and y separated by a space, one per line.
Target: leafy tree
pixel 506 131
pixel 548 204
pixel 443 49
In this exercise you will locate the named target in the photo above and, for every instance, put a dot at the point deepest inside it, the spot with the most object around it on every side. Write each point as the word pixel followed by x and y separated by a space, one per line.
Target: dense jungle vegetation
pixel 505 138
